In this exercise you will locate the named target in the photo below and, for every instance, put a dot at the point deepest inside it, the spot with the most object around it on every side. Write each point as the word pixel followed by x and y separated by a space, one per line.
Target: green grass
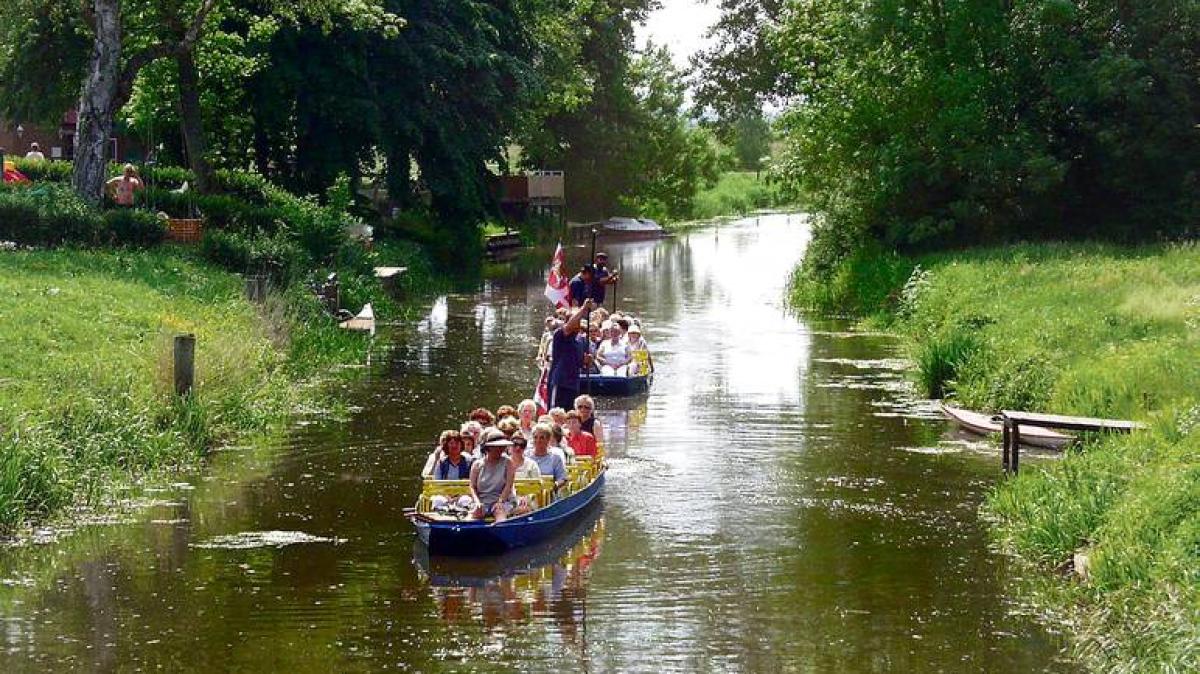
pixel 737 193
pixel 85 370
pixel 1089 330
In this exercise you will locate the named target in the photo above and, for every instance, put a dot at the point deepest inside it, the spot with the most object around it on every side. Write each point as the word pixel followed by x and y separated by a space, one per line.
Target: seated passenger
pixel 549 463
pixel 558 443
pixel 526 411
pixel 504 412
pixel 453 465
pixel 508 426
pixel 588 421
pixel 613 355
pixel 559 415
pixel 438 452
pixel 471 431
pixel 483 417
pixel 527 469
pixel 582 442
pixel 492 480
pixel 638 345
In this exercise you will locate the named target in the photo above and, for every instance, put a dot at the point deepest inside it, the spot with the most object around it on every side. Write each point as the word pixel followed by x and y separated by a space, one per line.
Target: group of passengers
pixel 591 340
pixel 491 450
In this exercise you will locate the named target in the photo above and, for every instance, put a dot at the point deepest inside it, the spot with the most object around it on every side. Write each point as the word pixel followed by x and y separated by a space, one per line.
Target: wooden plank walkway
pixel 1013 420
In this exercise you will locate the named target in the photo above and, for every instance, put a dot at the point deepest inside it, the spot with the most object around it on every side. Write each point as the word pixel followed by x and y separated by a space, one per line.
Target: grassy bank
pixel 1074 329
pixel 85 369
pixel 737 193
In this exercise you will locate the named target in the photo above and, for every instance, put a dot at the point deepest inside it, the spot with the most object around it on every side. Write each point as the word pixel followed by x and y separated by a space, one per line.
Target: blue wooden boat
pixel 597 385
pixel 477 537
pixel 459 571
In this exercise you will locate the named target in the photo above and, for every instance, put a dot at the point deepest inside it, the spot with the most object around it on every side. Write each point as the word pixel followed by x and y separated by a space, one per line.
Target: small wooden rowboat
pixel 597 385
pixel 983 424
pixel 446 534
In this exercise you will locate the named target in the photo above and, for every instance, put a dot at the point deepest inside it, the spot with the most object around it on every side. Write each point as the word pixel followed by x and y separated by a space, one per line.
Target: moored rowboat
pixel 983 424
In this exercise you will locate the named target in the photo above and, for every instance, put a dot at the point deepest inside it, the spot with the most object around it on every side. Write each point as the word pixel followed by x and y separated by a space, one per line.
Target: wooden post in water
pixel 185 364
pixel 1005 434
pixel 1014 437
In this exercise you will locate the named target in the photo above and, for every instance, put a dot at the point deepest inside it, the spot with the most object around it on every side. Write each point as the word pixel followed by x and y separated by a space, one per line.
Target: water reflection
pixel 545 581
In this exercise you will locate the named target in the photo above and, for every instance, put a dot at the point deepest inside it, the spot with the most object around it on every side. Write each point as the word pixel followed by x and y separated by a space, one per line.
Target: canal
pixel 779 502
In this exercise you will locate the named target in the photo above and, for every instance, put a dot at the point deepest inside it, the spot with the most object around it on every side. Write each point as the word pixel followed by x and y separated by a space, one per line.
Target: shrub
pixel 135 227
pixel 45 171
pixel 940 357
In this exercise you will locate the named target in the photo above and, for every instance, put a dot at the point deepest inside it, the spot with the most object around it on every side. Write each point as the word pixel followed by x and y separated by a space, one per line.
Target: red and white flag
pixel 541 395
pixel 557 280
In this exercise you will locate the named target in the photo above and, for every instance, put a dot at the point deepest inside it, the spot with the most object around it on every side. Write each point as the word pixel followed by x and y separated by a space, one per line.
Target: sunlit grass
pixel 737 193
pixel 1096 331
pixel 86 395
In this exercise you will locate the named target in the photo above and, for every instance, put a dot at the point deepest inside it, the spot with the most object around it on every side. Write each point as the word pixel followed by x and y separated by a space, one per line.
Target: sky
pixel 680 25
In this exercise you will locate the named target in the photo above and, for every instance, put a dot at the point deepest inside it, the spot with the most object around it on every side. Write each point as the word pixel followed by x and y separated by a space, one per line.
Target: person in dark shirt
pixel 567 349
pixel 580 287
pixel 602 278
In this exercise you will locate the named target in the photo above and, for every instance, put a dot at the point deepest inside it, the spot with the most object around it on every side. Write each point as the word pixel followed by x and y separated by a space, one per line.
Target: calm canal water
pixel 779 502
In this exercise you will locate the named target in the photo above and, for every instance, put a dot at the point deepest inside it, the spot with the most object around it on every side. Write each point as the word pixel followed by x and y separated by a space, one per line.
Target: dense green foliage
pixel 738 193
pixel 922 125
pixel 51 215
pixel 1094 331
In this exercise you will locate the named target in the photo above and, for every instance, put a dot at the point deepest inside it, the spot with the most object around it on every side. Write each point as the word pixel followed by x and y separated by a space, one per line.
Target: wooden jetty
pixel 1012 421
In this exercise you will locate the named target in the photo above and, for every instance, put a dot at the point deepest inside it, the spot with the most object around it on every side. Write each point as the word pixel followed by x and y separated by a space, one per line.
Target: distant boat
pixel 364 321
pixel 983 424
pixel 633 228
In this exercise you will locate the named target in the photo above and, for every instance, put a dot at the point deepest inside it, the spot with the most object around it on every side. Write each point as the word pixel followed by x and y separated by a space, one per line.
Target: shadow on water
pixel 779 501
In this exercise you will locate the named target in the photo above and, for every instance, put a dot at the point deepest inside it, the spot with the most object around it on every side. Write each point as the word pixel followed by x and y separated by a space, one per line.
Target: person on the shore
pixel 35 153
pixel 603 278
pixel 613 354
pixel 568 349
pixel 582 442
pixel 492 480
pixel 549 463
pixel 580 288
pixel 454 465
pixel 586 407
pixel 123 189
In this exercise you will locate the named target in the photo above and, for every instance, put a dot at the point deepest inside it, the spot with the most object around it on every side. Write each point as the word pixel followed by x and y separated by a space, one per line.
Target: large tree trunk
pixel 98 103
pixel 191 122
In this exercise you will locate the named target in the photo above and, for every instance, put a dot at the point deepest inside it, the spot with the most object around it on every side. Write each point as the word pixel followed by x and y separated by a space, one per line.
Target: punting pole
pixel 587 335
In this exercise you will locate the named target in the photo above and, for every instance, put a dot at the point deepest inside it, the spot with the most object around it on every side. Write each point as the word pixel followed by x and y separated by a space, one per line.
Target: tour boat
pixel 598 385
pixel 450 534
pixel 984 424
pixel 459 571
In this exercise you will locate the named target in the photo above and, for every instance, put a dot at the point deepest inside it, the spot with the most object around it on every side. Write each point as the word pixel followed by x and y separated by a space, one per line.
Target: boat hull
pixel 481 538
pixel 982 424
pixel 614 386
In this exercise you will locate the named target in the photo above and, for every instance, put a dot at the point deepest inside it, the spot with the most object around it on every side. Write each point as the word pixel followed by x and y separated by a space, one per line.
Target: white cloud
pixel 680 25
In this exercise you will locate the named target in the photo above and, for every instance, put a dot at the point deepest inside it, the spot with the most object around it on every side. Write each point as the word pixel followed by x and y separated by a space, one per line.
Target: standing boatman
pixel 602 278
pixel 580 287
pixel 568 357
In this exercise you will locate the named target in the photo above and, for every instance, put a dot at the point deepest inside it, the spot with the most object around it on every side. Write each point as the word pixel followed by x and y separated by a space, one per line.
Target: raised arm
pixel 576 320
